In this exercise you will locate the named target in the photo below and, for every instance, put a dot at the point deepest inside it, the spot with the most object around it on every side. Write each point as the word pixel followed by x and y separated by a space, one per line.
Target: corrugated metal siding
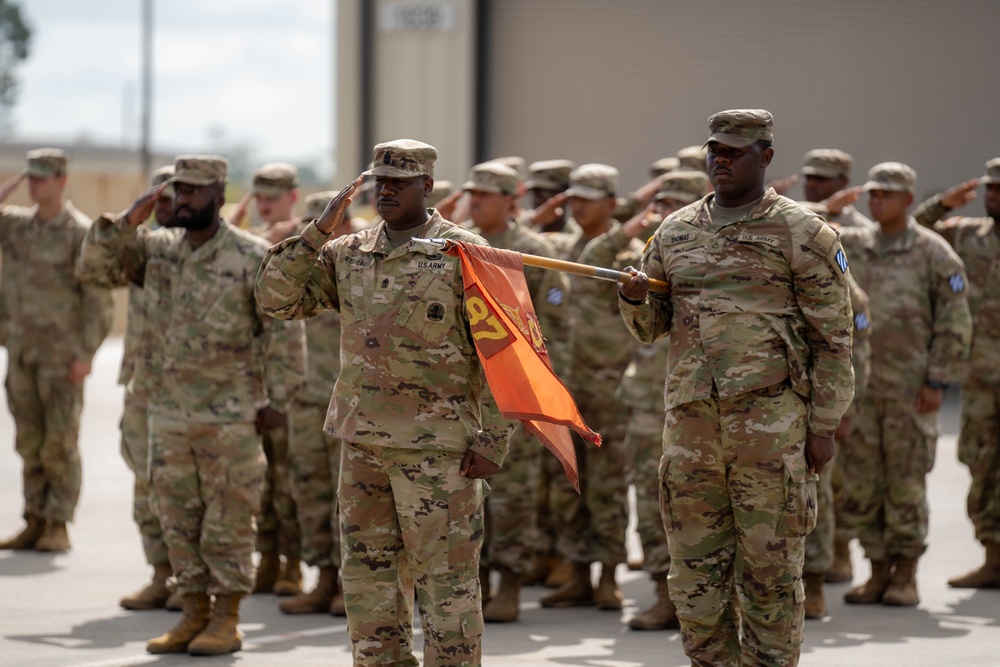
pixel 630 81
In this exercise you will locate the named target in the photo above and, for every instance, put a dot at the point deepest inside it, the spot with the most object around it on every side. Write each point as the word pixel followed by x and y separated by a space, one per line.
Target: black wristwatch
pixel 934 384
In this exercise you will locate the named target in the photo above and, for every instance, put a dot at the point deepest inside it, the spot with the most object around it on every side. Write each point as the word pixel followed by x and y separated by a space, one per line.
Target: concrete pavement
pixel 62 610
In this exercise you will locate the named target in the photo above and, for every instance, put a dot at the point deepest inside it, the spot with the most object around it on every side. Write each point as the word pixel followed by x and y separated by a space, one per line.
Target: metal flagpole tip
pixel 440 244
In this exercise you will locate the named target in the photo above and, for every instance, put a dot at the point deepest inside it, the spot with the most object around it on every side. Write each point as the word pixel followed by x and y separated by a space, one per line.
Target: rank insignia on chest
pixel 860 322
pixel 435 312
pixel 841 260
pixel 957 283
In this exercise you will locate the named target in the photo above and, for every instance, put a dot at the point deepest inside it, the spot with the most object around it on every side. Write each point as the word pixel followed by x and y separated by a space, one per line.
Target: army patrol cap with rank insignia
pixel 593 181
pixel 492 177
pixel 45 162
pixel 200 170
pixel 738 128
pixel 684 186
pixel 664 166
pixel 549 174
pixel 403 158
pixel 275 179
pixel 827 163
pixel 693 157
pixel 992 175
pixel 894 176
pixel 163 175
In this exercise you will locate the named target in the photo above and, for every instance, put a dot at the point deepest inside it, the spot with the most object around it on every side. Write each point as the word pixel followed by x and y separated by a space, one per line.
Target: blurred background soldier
pixel 548 179
pixel 917 288
pixel 828 171
pixel 54 326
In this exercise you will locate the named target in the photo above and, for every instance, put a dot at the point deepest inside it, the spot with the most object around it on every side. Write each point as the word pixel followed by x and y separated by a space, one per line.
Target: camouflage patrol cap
pixel 827 163
pixel 45 162
pixel 664 166
pixel 593 181
pixel 440 190
pixel 163 175
pixel 693 157
pixel 549 174
pixel 894 176
pixel 518 164
pixel 738 128
pixel 492 176
pixel 275 179
pixel 403 158
pixel 200 170
pixel 683 185
pixel 992 175
pixel 316 203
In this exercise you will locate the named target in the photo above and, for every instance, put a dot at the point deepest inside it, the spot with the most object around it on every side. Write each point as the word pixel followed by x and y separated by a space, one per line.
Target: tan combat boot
pixel 608 596
pixel 29 535
pixel 815 606
pixel 506 604
pixel 289 582
pixel 841 571
pixel 154 595
pixel 662 615
pixel 54 538
pixel 541 565
pixel 871 591
pixel 902 590
pixel 988 576
pixel 194 620
pixel 560 572
pixel 316 601
pixel 221 636
pixel 577 592
pixel 267 572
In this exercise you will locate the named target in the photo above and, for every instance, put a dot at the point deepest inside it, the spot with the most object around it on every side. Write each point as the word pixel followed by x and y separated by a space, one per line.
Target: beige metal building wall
pixel 629 81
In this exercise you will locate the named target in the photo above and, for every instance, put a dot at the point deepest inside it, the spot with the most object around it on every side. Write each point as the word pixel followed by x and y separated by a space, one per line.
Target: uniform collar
pixel 378 242
pixel 703 220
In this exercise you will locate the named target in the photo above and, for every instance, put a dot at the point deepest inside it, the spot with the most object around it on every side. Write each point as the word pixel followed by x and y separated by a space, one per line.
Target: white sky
pixel 254 73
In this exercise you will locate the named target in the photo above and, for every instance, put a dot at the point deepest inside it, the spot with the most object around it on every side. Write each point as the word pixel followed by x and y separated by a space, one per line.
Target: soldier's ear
pixel 428 185
pixel 766 156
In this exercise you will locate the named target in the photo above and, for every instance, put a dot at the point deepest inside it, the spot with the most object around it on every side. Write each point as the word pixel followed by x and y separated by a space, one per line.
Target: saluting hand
pixel 142 208
pixel 840 199
pixel 239 212
pixel 334 212
pixel 550 211
pixel 10 185
pixel 960 195
pixel 640 222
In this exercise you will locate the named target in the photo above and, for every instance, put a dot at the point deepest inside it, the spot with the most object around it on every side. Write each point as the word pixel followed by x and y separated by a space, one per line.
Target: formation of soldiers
pixel 356 440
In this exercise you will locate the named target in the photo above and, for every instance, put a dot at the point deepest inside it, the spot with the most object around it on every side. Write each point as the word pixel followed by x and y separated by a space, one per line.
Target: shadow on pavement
pixel 26 563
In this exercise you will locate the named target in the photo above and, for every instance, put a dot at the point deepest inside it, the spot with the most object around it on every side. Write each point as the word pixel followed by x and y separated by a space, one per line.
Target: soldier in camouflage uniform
pixel 511 507
pixel 54 326
pixel 591 524
pixel 410 409
pixel 644 432
pixel 828 171
pixel 275 192
pixel 917 288
pixel 977 242
pixel 759 375
pixel 135 435
pixel 692 157
pixel 211 368
pixel 314 454
pixel 548 179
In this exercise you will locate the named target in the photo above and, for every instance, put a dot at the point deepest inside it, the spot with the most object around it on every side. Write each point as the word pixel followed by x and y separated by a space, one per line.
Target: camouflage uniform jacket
pixel 917 288
pixel 549 290
pixel 51 317
pixel 760 301
pixel 410 376
pixel 977 242
pixel 601 345
pixel 207 353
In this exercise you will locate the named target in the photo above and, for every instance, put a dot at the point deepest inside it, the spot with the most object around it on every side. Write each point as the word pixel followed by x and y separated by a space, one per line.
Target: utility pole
pixel 147 87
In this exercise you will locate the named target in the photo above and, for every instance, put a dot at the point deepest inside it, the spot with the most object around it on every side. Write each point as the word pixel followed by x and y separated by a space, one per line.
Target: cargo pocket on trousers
pixel 465 523
pixel 798 516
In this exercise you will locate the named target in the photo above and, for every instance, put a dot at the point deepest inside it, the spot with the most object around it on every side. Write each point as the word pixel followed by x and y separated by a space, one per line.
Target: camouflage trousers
pixel 886 460
pixel 277 525
pixel 410 520
pixel 135 451
pixel 314 456
pixel 979 448
pixel 819 543
pixel 207 481
pixel 46 409
pixel 591 525
pixel 511 507
pixel 737 501
pixel 644 445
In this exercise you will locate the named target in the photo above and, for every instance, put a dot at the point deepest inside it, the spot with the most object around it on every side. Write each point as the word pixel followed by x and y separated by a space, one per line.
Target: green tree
pixel 15 40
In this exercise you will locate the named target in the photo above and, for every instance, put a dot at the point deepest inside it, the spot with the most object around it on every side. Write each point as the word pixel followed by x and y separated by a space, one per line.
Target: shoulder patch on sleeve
pixel 826 243
pixel 957 283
